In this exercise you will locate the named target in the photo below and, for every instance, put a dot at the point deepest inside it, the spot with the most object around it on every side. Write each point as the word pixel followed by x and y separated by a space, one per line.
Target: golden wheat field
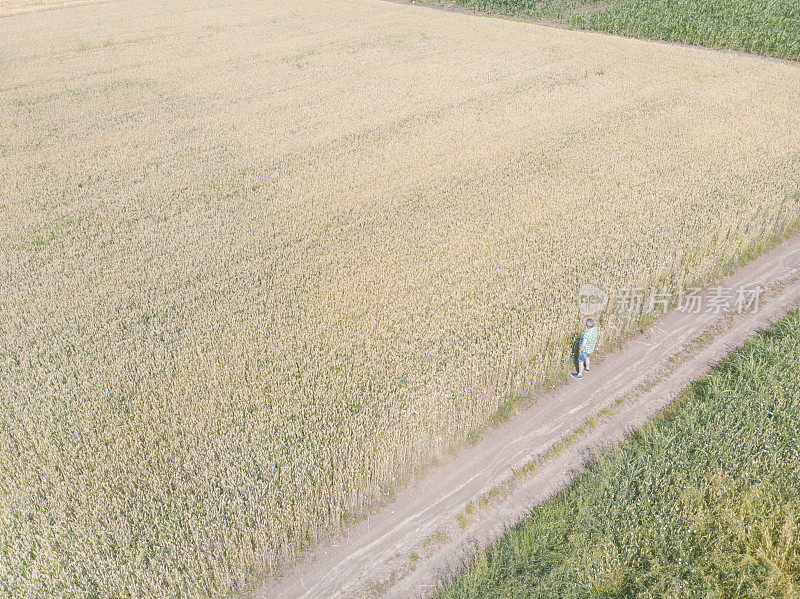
pixel 15 7
pixel 261 260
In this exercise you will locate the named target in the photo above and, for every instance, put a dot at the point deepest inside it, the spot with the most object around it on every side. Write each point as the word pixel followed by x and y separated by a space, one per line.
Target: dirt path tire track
pixel 373 558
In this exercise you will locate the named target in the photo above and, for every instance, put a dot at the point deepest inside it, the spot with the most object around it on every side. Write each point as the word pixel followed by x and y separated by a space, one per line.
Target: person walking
pixel 588 345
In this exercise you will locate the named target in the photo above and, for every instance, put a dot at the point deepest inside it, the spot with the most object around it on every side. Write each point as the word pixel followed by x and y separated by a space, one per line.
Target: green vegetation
pixel 702 502
pixel 762 26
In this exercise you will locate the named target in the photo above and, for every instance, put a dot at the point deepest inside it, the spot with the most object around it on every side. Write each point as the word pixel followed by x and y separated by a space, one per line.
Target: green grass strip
pixel 769 27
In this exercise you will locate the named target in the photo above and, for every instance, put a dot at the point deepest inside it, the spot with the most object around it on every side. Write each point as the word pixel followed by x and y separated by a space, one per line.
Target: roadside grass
pixel 702 502
pixel 770 27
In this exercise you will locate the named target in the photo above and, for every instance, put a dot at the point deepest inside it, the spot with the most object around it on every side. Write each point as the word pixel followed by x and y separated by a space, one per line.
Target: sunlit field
pixel 703 502
pixel 261 261
pixel 15 7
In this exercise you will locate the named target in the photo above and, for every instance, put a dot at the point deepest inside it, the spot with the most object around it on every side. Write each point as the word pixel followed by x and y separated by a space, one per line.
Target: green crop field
pixel 703 502
pixel 762 26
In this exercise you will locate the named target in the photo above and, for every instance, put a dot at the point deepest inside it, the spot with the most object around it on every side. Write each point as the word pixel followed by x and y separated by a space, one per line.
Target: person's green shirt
pixel 589 339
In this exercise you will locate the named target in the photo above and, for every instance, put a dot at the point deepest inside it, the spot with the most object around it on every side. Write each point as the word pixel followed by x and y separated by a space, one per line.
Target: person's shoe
pixel 586 370
pixel 575 375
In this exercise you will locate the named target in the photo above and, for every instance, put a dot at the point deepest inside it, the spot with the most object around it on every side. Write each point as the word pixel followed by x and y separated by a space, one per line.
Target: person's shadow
pixel 576 349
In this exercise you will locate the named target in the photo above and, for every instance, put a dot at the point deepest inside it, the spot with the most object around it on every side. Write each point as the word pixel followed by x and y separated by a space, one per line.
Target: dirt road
pixel 375 558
